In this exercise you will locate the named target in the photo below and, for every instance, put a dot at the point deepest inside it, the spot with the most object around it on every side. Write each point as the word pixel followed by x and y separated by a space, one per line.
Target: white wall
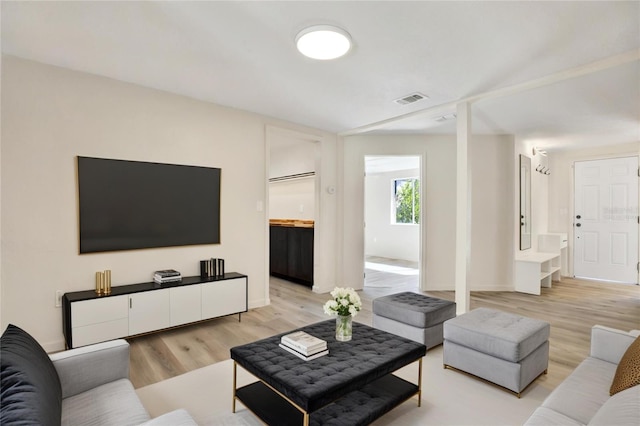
pixel 291 154
pixel 51 115
pixel 493 191
pixel 561 195
pixel 382 237
pixel 492 220
pixel 292 199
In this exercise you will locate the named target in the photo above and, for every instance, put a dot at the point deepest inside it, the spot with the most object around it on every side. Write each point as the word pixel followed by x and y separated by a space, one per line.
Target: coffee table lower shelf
pixel 360 407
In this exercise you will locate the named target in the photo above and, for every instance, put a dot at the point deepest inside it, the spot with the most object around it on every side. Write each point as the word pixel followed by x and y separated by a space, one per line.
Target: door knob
pixel 578 225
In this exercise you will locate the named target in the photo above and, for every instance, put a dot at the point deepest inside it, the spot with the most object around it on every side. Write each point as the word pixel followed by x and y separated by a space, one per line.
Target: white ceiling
pixel 242 54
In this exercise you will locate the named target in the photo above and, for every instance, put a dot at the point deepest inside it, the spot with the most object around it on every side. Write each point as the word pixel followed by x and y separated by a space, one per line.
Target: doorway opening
pixel 293 206
pixel 392 216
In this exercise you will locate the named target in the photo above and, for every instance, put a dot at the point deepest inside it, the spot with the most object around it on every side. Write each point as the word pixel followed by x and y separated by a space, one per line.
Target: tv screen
pixel 126 205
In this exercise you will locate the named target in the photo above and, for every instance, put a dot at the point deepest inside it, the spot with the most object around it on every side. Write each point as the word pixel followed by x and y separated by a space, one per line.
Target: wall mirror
pixel 525 202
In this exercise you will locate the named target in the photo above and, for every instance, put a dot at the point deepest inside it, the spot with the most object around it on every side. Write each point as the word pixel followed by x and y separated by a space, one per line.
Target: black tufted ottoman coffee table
pixel 352 385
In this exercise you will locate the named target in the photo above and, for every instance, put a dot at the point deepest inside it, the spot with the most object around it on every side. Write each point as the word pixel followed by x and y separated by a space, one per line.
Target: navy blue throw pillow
pixel 30 393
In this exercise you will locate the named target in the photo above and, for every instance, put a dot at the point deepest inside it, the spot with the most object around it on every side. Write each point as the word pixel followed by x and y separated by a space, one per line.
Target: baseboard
pixel 447 287
pixel 494 288
pixel 55 346
pixel 258 303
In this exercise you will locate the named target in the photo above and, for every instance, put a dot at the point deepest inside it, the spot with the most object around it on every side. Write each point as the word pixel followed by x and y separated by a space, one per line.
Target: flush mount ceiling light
pixel 323 42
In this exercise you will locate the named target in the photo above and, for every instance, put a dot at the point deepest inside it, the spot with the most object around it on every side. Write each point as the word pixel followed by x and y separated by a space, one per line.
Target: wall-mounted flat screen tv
pixel 125 205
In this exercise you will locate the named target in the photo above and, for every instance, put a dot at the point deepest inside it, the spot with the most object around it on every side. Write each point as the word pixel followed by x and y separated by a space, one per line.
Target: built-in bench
pixel 535 270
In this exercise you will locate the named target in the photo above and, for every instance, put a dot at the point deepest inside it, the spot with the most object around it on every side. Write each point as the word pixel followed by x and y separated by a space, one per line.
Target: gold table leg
pixel 233 402
pixel 420 382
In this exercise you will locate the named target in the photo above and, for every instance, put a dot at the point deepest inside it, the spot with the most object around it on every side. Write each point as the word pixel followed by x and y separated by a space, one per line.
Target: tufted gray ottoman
pixel 414 316
pixel 506 349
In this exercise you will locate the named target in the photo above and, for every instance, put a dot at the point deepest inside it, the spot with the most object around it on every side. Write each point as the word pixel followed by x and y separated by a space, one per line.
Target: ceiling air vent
pixel 414 97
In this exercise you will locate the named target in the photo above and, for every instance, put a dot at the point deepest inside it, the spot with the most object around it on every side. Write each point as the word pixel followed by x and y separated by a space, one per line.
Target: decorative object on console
pixel 204 268
pixel 212 268
pixel 345 303
pixel 167 276
pixel 103 282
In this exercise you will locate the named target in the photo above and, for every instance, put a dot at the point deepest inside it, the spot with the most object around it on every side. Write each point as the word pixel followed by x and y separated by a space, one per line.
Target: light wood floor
pixel 381 272
pixel 571 306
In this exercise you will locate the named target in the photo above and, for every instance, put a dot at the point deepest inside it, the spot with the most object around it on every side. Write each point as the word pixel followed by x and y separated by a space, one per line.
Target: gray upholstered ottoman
pixel 506 349
pixel 414 316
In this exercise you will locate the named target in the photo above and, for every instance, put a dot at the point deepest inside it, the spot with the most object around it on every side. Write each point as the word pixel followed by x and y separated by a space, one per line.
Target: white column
pixel 463 226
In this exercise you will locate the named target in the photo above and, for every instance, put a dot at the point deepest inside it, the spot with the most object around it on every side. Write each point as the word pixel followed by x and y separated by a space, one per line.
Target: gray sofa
pixel 84 386
pixel 583 397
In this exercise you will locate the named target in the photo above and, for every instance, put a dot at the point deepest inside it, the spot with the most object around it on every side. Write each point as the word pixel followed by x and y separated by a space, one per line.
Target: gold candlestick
pixel 99 279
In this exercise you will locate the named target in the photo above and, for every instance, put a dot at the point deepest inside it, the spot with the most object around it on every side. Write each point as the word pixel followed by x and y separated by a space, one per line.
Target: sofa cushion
pixel 114 403
pixel 30 392
pixel 544 416
pixel 622 408
pixel 628 371
pixel 584 391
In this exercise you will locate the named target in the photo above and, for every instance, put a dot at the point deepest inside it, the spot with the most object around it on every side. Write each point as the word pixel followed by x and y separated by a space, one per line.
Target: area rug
pixel 448 398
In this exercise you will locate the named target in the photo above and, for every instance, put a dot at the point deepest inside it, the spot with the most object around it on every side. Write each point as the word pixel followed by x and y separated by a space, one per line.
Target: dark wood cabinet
pixel 291 253
pixel 278 256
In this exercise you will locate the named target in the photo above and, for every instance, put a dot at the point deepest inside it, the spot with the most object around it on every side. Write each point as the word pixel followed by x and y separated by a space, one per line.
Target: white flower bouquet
pixel 345 302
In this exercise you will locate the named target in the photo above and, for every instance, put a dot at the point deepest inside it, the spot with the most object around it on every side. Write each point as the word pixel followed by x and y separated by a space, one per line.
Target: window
pixel 407 200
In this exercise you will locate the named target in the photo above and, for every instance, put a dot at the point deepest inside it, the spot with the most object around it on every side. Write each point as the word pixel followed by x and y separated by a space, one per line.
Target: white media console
pixel 142 308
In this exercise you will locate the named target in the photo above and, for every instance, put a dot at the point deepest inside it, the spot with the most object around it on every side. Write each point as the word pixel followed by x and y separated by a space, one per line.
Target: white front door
pixel 606 219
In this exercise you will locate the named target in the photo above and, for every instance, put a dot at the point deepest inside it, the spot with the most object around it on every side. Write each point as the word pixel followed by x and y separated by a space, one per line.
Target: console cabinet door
pixel 185 304
pixel 224 297
pixel 149 311
pixel 98 320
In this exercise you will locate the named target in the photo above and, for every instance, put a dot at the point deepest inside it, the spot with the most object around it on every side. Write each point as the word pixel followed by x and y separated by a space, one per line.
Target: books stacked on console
pixel 166 276
pixel 304 345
